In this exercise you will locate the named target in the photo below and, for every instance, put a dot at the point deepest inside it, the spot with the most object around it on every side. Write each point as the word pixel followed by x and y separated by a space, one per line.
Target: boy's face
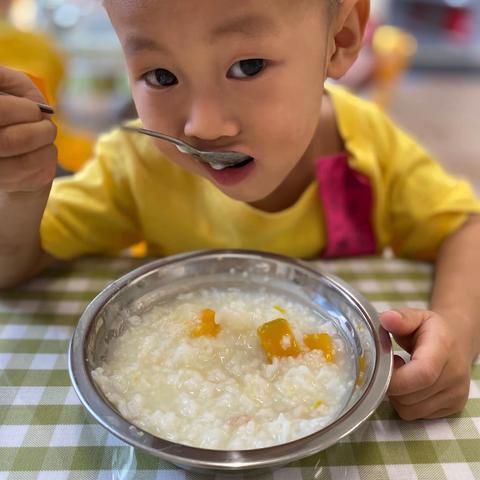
pixel 229 75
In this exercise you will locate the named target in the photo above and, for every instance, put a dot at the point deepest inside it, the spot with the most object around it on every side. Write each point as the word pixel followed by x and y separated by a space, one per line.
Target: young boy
pixel 330 174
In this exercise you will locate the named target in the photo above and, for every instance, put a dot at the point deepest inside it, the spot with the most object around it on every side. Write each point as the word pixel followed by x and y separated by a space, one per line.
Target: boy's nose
pixel 207 120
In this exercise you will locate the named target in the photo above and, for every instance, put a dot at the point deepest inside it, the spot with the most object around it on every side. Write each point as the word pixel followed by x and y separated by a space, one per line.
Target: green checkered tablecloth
pixel 46 434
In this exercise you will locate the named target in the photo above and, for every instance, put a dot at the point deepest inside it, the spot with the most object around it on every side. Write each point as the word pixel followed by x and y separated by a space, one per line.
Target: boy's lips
pixel 231 175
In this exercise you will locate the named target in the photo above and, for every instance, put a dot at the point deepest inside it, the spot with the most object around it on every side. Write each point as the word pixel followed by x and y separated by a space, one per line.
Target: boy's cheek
pixel 287 138
pixel 155 110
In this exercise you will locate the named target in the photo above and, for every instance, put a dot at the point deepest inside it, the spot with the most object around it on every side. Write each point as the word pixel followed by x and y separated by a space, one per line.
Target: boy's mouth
pixel 232 175
pixel 242 164
pixel 221 166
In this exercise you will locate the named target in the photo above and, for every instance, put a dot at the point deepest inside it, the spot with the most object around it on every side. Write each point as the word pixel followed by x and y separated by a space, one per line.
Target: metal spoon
pixel 217 160
pixel 42 106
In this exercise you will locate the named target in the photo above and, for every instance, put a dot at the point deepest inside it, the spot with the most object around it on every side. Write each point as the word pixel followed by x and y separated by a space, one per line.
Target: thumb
pixel 403 324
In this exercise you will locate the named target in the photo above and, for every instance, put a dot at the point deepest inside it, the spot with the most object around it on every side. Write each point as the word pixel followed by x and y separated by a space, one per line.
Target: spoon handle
pixel 217 160
pixel 162 136
pixel 42 106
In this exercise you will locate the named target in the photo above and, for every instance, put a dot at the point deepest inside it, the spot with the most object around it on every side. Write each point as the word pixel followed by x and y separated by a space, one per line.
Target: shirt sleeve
pixel 93 211
pixel 425 204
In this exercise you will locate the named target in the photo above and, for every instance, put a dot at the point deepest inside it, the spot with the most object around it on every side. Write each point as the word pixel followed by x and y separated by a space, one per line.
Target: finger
pixel 27 137
pixel 425 367
pixel 417 397
pixel 447 401
pixel 15 110
pixel 442 413
pixel 453 376
pixel 19 84
pixel 398 362
pixel 412 398
pixel 28 172
pixel 403 322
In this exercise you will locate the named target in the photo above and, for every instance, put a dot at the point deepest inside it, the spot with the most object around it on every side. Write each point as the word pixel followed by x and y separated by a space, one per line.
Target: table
pixel 46 434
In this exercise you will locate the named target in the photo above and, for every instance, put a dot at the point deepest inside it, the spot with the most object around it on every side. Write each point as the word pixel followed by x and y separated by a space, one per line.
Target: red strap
pixel 347 199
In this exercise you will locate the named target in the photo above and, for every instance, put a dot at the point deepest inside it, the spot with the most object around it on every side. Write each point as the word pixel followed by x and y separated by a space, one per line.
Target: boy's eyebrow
pixel 248 25
pixel 135 44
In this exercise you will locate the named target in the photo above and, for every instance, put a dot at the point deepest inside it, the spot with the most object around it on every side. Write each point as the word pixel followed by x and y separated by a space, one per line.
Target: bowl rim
pixel 228 460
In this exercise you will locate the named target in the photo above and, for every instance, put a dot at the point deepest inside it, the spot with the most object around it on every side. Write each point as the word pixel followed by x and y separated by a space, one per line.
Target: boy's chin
pixel 247 194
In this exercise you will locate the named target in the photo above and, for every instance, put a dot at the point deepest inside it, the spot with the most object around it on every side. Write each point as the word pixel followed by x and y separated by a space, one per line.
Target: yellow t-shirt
pixel 130 192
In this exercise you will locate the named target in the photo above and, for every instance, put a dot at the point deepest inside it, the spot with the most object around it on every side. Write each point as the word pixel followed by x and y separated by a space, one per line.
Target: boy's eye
pixel 247 68
pixel 161 78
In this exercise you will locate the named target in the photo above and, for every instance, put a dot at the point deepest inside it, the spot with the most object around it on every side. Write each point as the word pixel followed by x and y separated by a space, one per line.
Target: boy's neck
pixel 326 141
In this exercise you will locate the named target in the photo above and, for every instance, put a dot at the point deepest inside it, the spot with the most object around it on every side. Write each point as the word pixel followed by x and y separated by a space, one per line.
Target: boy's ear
pixel 349 28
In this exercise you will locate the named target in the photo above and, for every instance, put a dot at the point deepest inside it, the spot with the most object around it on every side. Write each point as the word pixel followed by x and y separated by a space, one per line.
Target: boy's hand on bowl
pixel 28 156
pixel 435 382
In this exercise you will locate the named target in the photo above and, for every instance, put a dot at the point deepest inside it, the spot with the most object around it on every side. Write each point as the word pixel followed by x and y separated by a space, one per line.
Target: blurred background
pixel 421 63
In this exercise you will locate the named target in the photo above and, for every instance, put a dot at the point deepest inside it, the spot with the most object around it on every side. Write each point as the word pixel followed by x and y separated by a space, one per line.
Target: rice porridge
pixel 228 369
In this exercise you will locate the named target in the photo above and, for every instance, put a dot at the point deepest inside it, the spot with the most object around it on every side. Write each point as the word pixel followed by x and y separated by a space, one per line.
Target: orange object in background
pixel 35 54
pixel 75 148
pixel 385 57
pixel 41 84
pixel 394 50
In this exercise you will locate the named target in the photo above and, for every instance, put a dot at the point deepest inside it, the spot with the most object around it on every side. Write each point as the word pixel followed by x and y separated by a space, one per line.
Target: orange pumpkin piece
pixel 207 326
pixel 320 341
pixel 361 370
pixel 277 339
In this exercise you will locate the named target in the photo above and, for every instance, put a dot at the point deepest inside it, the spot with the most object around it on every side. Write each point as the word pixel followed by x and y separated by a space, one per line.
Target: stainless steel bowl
pixel 357 321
